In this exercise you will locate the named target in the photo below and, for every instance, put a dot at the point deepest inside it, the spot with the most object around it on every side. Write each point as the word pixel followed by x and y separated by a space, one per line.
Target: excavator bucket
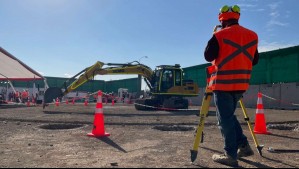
pixel 50 94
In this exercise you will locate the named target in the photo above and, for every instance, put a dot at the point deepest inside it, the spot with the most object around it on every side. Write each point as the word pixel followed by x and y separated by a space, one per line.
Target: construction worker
pixel 232 51
pixel 17 96
pixel 24 96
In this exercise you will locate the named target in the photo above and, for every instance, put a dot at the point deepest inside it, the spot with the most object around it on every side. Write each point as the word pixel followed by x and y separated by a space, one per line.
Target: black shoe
pixel 245 151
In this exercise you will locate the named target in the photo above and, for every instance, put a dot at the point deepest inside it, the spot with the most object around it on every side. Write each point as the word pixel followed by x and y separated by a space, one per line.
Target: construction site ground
pixel 56 137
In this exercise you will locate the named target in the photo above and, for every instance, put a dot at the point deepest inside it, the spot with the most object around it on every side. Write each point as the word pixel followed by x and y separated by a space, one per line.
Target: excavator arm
pixel 89 73
pixel 117 69
pixel 84 76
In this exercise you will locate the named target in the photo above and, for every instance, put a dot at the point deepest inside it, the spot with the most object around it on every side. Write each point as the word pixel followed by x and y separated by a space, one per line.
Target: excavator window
pixel 157 80
pixel 167 80
pixel 178 78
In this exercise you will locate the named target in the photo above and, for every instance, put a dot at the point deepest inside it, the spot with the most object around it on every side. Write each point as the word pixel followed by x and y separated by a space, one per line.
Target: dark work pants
pixel 226 103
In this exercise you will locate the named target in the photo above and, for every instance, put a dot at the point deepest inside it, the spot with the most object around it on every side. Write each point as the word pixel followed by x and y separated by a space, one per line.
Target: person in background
pixel 25 96
pixel 17 96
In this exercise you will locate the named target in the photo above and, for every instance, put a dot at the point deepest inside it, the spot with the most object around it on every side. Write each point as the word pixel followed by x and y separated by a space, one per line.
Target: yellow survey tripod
pixel 203 114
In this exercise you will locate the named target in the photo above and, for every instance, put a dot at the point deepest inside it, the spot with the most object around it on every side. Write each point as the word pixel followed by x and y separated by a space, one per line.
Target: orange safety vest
pixel 231 70
pixel 24 95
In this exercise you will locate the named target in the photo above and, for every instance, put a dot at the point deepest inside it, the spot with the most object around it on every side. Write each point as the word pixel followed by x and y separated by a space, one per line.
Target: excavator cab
pixel 169 90
pixel 167 77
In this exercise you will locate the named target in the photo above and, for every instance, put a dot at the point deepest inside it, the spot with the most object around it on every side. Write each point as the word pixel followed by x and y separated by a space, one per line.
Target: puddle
pixel 290 127
pixel 174 128
pixel 60 126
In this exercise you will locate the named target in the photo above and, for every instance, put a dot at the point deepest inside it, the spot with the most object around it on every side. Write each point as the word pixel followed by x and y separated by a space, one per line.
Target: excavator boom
pixel 97 69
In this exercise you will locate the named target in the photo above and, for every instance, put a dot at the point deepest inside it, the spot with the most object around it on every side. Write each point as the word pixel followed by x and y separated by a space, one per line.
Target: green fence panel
pixel 131 84
pixel 284 67
pixel 259 72
pixel 28 84
pixel 197 74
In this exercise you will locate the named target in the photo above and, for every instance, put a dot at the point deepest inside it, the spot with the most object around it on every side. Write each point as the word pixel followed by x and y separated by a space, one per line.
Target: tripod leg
pixel 259 147
pixel 202 116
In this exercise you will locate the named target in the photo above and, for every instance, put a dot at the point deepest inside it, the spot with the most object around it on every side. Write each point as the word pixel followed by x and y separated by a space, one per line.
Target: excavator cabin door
pixel 170 78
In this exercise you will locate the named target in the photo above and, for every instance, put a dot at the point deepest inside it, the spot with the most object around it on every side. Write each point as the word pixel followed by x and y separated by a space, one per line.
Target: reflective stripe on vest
pixel 241 49
pixel 211 77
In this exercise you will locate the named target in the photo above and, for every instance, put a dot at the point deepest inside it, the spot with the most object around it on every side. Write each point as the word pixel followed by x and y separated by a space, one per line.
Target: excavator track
pixel 156 104
pixel 146 104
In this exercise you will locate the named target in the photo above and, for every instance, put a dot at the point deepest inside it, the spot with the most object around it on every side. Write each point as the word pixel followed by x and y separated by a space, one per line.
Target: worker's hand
pixel 216 28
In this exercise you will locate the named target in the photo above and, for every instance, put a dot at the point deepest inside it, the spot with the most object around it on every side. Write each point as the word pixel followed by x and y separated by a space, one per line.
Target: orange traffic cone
pixel 57 102
pixel 98 124
pixel 260 121
pixel 28 102
pixel 86 102
pixel 67 101
pixel 33 101
pixel 112 101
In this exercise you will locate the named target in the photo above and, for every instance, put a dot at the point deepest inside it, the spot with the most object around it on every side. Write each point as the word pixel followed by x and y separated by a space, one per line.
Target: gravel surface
pixel 57 137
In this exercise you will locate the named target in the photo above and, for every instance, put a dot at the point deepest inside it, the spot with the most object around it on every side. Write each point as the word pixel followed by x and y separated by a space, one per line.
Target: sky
pixel 59 38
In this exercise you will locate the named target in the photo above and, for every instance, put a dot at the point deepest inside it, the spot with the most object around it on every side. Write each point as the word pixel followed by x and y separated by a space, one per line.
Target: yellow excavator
pixel 166 84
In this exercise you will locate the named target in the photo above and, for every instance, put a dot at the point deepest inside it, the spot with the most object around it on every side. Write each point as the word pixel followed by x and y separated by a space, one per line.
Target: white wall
pixel 276 96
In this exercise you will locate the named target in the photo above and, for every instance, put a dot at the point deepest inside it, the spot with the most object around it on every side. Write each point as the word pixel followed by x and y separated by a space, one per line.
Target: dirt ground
pixel 57 137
